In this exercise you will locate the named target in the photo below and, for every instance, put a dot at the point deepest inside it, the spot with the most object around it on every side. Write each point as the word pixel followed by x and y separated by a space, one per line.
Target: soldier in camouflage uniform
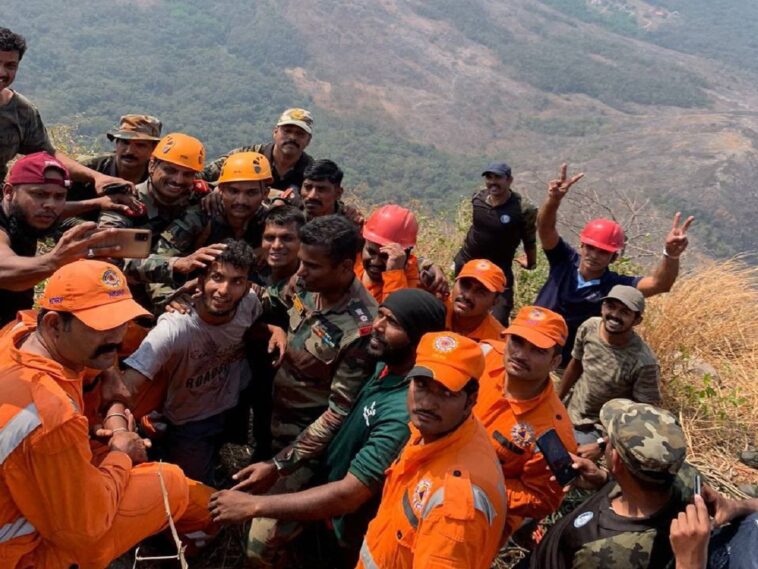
pixel 164 197
pixel 626 524
pixel 135 139
pixel 286 153
pixel 325 366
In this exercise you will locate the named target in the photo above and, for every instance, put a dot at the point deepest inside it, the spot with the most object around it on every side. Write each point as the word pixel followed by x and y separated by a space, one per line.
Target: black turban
pixel 417 311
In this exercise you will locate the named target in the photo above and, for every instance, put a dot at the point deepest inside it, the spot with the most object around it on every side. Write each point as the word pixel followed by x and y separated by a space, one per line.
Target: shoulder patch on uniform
pixel 582 519
pixel 522 434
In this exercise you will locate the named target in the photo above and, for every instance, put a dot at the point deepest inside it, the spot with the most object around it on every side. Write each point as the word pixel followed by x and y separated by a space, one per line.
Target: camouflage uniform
pixel 155 269
pixel 293 178
pixel 21 131
pixel 652 446
pixel 324 369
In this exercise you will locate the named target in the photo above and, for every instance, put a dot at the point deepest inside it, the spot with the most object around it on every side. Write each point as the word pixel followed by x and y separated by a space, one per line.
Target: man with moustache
pixel 34 199
pixel 475 292
pixel 609 361
pixel 517 404
pixel 443 503
pixel 502 219
pixel 200 358
pixel 372 435
pixel 135 139
pixel 164 197
pixel 60 507
pixel 286 154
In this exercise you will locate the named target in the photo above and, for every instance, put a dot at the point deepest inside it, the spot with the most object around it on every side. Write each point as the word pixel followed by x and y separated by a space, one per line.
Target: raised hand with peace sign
pixel 676 240
pixel 558 188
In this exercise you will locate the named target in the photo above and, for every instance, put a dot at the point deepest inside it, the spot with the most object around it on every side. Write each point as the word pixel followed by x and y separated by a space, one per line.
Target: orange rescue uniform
pixel 397 279
pixel 513 427
pixel 57 509
pixel 489 329
pixel 443 505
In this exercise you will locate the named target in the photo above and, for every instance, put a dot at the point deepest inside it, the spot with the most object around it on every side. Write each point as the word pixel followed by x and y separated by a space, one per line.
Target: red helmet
pixel 603 234
pixel 391 224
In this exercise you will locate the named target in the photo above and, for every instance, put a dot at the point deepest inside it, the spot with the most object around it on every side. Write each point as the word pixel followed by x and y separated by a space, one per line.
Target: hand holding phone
pixel 557 457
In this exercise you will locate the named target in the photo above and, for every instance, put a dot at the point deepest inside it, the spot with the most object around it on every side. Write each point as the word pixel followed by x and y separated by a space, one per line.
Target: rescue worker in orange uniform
pixel 476 290
pixel 443 503
pixel 517 404
pixel 57 508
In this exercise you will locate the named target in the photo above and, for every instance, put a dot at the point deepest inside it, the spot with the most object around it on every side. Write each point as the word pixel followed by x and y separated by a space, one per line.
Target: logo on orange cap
pixel 95 292
pixel 445 344
pixel 540 326
pixel 486 272
pixel 451 359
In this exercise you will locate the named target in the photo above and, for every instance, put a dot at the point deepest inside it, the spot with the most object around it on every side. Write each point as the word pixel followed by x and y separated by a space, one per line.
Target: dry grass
pixel 705 334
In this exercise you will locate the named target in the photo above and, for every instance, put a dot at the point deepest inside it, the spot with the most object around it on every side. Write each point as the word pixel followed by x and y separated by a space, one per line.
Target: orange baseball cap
pixel 94 291
pixel 540 326
pixel 486 272
pixel 449 358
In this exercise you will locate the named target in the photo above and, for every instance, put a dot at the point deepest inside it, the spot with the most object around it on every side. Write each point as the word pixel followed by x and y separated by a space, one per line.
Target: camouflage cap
pixel 297 117
pixel 649 440
pixel 136 127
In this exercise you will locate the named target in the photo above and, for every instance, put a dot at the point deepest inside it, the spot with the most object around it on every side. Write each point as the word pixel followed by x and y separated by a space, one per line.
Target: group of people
pixel 393 418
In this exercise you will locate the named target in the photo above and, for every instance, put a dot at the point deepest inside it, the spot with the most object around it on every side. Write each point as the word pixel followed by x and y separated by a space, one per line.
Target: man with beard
pixel 286 153
pixel 200 358
pixel 59 506
pixel 475 292
pixel 326 364
pixel 135 139
pixel 502 219
pixel 517 404
pixel 364 447
pixel 609 361
pixel 578 281
pixel 443 503
pixel 34 198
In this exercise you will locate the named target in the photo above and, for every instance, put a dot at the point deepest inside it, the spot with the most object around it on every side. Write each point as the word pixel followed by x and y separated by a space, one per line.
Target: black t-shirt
pixel 23 244
pixel 593 535
pixel 496 232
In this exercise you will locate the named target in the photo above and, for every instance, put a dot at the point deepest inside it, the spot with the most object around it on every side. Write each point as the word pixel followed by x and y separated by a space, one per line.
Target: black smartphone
pixel 113 189
pixel 557 457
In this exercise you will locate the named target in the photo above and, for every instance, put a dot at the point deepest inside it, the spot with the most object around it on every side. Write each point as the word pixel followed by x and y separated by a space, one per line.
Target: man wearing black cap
pixel 502 219
pixel 367 443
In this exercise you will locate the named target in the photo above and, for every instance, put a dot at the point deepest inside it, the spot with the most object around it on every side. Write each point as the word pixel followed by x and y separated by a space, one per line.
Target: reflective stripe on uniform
pixel 17 429
pixel 16 528
pixel 481 503
pixel 366 558
pixel 408 511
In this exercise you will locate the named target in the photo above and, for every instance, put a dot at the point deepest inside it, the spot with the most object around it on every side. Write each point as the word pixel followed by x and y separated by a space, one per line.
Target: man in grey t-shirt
pixel 200 357
pixel 609 361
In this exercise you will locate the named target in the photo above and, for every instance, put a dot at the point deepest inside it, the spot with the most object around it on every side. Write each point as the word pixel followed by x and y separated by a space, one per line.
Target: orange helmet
pixel 603 234
pixel 391 224
pixel 181 149
pixel 245 167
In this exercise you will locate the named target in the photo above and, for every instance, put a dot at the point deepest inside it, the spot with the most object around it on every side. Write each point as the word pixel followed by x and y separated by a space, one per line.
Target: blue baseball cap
pixel 498 168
